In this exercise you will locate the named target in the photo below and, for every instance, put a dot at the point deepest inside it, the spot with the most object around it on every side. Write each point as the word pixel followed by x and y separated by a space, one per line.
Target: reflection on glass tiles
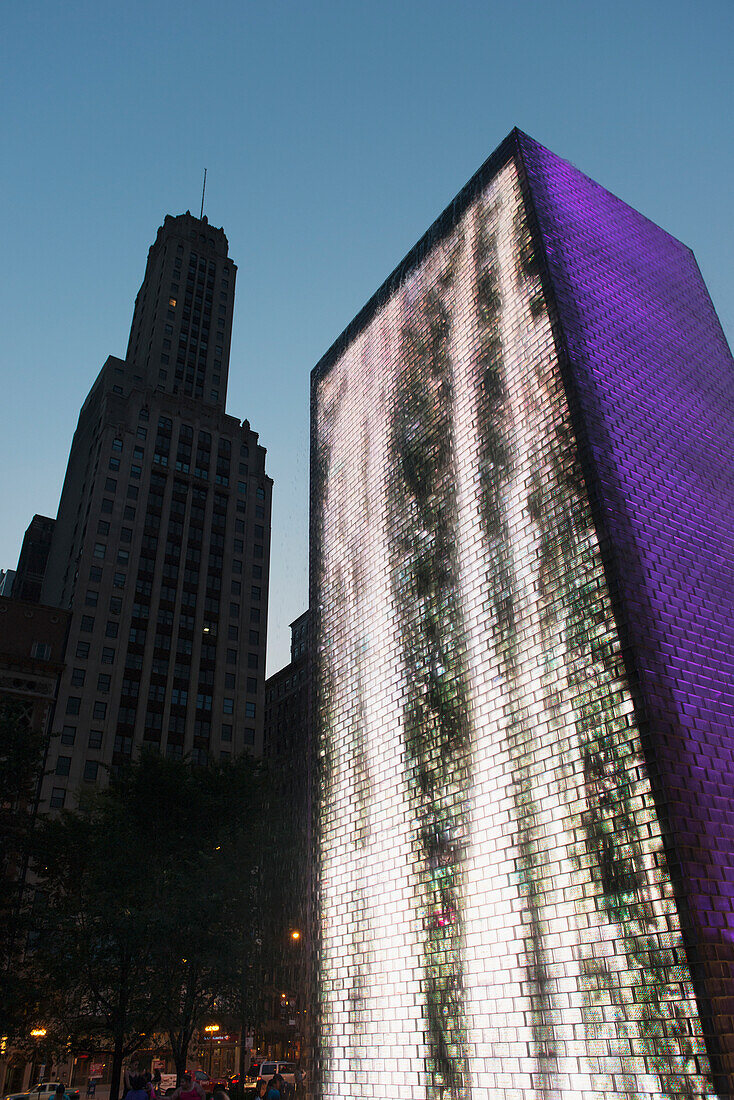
pixel 496 913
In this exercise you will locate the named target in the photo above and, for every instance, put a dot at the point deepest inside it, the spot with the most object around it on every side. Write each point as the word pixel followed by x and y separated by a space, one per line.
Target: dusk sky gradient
pixel 333 135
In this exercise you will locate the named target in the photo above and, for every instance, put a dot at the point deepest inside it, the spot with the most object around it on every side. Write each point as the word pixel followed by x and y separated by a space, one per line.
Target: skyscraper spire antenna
pixel 203 189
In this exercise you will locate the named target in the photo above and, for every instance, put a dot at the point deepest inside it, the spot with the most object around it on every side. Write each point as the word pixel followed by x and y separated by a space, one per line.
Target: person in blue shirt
pixel 275 1088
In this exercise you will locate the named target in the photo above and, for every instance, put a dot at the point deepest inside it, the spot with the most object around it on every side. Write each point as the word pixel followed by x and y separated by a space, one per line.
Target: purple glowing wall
pixel 650 382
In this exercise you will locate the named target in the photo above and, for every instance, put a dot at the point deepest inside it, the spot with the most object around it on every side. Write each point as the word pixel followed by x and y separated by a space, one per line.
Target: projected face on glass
pixel 496 914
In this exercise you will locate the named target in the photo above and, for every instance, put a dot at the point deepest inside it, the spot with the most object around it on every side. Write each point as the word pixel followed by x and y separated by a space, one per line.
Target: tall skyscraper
pixel 522 601
pixel 33 559
pixel 161 545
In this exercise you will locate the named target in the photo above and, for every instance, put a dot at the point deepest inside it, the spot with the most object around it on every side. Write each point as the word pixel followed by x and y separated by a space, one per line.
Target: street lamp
pixel 39 1034
pixel 211 1030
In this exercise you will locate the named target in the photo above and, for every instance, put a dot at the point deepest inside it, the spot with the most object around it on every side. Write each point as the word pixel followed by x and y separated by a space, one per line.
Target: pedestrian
pixel 275 1090
pixel 260 1089
pixel 220 1094
pixel 131 1070
pixel 189 1089
pixel 156 1081
pixel 138 1091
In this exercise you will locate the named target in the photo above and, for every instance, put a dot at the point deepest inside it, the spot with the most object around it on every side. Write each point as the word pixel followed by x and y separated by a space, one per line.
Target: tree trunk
pixel 116 1068
pixel 180 1060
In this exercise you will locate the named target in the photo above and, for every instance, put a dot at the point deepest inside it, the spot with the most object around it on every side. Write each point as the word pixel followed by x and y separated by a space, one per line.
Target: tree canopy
pixel 150 904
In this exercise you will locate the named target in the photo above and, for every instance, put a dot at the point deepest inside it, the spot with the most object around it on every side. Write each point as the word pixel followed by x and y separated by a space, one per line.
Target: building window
pixel 116 444
pixel 255 592
pixel 95 739
pixel 233 633
pixel 132 492
pixel 111 629
pixel 99 710
pixel 254 637
pixel 108 655
pixel 249 737
pixel 114 463
pixel 68 734
pixel 106 505
pixel 142 433
pixel 87 623
pixel 136 471
pixel 73 703
pixel 57 798
pixel 227 705
pixel 123 557
pixel 82 650
pixel 110 485
pixel 77 677
pixel 103 682
pixel 91 767
pixel 249 710
pixel 118 581
pixel 252 660
pixel 63 765
pixel 251 685
pixel 91 598
pixel 231 656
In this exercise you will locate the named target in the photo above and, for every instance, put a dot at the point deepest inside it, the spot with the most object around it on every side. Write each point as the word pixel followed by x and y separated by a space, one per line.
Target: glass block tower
pixel 523 537
pixel 161 544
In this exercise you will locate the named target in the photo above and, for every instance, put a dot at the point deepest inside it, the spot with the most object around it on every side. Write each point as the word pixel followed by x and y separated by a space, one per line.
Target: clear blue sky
pixel 333 134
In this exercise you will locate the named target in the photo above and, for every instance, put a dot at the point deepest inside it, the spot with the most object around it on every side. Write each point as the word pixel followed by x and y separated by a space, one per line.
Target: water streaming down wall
pixel 497 912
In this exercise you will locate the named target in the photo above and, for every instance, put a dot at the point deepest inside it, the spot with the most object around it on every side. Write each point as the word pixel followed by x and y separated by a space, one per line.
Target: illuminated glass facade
pixel 523 631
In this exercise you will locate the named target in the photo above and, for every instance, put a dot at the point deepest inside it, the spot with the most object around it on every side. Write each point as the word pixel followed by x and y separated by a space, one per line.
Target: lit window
pixel 172 302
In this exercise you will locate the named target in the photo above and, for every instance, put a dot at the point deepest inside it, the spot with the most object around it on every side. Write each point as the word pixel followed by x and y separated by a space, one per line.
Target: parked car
pixel 45 1090
pixel 218 1083
pixel 287 1071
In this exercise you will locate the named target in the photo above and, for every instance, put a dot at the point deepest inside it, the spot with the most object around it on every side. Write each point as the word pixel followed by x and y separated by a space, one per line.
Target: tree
pixel 97 928
pixel 21 759
pixel 151 903
pixel 208 891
